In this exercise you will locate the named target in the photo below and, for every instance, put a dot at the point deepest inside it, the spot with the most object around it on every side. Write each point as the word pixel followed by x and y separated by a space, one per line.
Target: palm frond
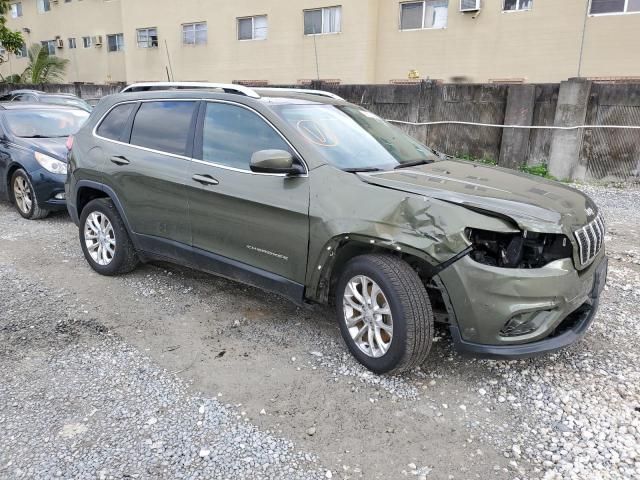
pixel 43 68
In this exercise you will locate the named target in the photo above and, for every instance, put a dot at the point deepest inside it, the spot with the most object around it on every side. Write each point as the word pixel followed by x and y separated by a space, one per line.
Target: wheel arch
pixel 86 193
pixel 7 180
pixel 87 190
pixel 340 249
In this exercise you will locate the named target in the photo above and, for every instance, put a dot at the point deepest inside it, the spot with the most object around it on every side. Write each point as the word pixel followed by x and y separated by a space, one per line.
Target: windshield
pixel 44 123
pixel 72 102
pixel 352 138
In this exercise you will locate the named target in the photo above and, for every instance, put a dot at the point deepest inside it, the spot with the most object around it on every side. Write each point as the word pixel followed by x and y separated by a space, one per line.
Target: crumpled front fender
pixel 384 219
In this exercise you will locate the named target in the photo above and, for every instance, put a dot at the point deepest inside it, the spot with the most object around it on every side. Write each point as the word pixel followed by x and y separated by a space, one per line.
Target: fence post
pixel 514 148
pixel 564 155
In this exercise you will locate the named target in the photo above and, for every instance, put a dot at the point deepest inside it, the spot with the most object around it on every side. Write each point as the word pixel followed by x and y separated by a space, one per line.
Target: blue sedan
pixel 33 155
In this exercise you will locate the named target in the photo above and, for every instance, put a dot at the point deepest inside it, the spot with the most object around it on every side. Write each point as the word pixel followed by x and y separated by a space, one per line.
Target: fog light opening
pixel 524 323
pixel 60 196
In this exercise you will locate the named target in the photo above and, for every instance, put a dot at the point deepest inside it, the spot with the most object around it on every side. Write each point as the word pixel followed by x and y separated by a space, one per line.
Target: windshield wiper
pixel 412 164
pixel 362 169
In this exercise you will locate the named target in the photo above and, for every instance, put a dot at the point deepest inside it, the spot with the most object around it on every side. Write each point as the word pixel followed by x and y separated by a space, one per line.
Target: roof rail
pixel 321 93
pixel 227 88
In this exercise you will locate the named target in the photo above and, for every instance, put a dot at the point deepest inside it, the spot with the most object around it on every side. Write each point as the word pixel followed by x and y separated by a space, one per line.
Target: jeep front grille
pixel 590 239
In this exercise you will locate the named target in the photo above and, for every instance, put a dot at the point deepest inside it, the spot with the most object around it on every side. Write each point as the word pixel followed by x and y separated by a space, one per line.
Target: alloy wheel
pixel 22 194
pixel 99 238
pixel 367 315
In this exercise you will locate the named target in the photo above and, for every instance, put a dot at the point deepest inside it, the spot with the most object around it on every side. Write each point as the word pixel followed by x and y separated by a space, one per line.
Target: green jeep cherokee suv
pixel 317 199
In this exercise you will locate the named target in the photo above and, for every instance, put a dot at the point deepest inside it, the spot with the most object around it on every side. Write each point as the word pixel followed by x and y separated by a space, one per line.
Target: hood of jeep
pixel 533 203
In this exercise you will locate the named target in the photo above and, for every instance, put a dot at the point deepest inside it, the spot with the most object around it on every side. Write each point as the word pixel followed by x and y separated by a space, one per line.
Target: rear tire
pixel 104 239
pixel 400 339
pixel 24 197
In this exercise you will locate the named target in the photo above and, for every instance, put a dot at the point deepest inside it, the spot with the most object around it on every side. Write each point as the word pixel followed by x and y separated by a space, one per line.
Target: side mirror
pixel 275 161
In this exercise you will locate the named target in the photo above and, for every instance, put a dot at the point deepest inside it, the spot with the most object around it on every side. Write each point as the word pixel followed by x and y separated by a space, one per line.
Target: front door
pixel 258 219
pixel 149 172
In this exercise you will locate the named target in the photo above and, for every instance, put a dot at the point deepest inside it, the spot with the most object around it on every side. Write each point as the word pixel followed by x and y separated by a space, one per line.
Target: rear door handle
pixel 120 160
pixel 205 179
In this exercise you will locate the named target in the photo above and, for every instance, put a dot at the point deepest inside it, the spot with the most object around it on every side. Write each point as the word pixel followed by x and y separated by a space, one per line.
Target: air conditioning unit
pixel 59 42
pixel 97 40
pixel 470 5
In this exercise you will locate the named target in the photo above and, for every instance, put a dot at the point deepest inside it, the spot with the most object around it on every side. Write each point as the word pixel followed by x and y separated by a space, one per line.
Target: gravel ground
pixel 170 373
pixel 102 409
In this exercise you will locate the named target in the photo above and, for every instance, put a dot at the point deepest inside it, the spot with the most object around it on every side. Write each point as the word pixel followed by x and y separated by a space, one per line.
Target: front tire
pixel 384 313
pixel 24 196
pixel 104 239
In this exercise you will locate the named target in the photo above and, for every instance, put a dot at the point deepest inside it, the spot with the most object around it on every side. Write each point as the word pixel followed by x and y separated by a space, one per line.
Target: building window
pixel 44 6
pixel 252 28
pixel 147 37
pixel 194 33
pixel 511 5
pixel 426 14
pixel 614 6
pixel 49 46
pixel 16 10
pixel 72 43
pixel 323 20
pixel 86 42
pixel 115 43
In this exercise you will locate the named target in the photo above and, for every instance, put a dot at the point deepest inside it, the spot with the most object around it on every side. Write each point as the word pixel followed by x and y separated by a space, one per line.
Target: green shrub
pixel 471 158
pixel 541 170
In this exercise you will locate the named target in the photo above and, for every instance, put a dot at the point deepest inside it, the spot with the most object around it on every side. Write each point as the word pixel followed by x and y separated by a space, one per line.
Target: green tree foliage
pixel 14 78
pixel 43 68
pixel 10 40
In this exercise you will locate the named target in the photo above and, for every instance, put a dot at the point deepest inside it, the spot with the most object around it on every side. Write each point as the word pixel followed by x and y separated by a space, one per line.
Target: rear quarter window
pixel 163 126
pixel 113 125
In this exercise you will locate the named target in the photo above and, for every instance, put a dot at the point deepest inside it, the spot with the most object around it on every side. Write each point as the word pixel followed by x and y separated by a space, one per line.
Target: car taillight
pixel 69 142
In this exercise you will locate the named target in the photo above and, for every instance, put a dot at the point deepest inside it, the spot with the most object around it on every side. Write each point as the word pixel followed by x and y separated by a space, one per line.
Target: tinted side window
pixel 114 123
pixel 232 134
pixel 163 126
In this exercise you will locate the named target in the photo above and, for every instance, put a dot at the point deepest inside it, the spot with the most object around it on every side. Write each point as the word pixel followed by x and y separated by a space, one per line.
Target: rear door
pixel 148 169
pixel 258 219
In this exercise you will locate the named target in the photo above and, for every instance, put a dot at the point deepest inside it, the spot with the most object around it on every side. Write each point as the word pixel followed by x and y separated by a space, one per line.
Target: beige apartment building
pixel 350 41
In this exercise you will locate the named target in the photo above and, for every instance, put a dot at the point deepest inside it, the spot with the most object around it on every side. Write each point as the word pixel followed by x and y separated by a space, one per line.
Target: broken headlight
pixel 517 250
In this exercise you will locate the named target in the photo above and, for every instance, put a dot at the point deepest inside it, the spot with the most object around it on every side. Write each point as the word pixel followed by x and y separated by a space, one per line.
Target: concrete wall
pixel 538 45
pixel 592 154
pixel 611 154
pixel 86 91
pixel 579 154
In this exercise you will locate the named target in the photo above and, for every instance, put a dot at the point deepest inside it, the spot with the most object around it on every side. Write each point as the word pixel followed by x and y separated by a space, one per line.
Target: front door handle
pixel 118 160
pixel 205 179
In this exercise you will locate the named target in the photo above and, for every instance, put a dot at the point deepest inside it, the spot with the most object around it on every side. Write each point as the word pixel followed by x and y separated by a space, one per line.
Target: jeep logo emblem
pixel 589 211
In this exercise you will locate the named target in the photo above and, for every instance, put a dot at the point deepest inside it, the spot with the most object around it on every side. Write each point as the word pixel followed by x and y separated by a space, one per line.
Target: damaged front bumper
pixel 483 299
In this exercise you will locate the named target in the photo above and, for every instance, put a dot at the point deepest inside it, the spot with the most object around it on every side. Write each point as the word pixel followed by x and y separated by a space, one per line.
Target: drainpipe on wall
pixel 584 32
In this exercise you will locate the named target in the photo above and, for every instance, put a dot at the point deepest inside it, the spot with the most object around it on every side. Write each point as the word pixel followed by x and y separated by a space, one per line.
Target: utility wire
pixel 524 127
